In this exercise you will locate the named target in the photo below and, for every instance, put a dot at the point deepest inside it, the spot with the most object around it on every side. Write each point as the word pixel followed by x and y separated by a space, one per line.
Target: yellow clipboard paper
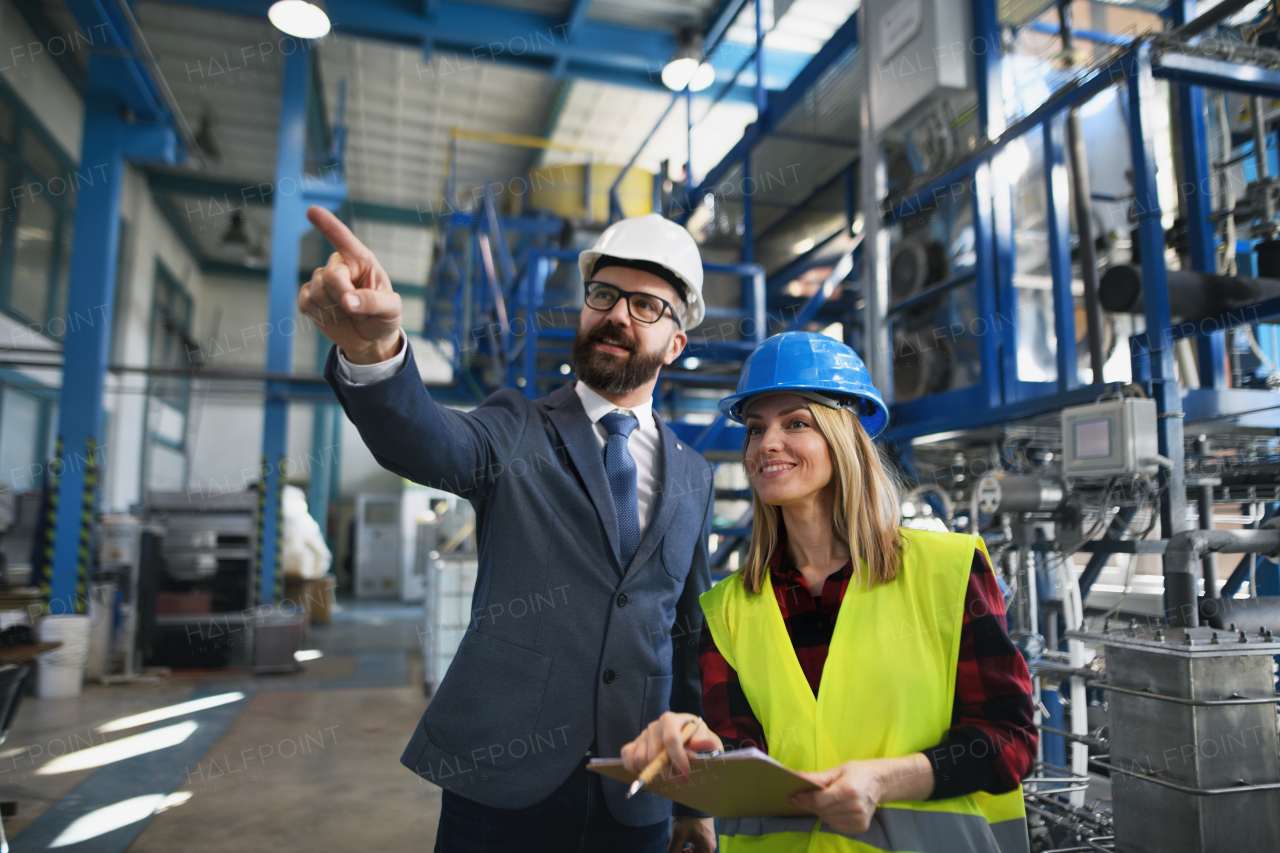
pixel 739 783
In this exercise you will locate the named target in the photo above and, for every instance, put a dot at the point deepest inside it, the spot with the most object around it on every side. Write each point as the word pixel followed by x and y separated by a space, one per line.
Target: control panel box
pixel 919 50
pixel 1111 438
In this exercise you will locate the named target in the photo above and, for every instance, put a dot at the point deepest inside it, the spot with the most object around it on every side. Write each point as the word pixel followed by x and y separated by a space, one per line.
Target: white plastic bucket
pixel 60 673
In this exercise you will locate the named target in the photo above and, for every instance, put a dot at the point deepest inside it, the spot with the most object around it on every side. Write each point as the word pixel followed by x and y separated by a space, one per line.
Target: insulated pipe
pixel 1204 504
pixel 1189 546
pixel 1192 294
pixel 1082 201
pixel 1248 614
pixel 1211 18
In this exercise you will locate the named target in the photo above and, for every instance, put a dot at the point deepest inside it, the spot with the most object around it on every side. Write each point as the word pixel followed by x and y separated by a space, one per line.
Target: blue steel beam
pixel 107 142
pixel 577 14
pixel 288 225
pixel 1164 382
pixel 1190 69
pixel 842 40
pixel 1058 196
pixel 720 23
pixel 120 73
pixel 1096 36
pixel 1193 134
pixel 612 53
pixel 993 214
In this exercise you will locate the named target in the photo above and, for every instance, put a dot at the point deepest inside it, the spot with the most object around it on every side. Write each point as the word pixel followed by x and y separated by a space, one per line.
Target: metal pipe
pixel 1259 125
pixel 1119 524
pixel 1083 202
pixel 1204 503
pixel 1199 792
pixel 166 95
pixel 1251 613
pixel 1211 18
pixel 1187 547
pixel 1192 294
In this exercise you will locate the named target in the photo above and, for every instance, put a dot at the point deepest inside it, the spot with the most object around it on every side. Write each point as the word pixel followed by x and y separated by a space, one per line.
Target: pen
pixel 649 773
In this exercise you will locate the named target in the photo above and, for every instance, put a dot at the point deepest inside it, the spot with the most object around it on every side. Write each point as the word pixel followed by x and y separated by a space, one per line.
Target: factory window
pixel 20 416
pixel 170 339
pixel 39 183
pixel 168 394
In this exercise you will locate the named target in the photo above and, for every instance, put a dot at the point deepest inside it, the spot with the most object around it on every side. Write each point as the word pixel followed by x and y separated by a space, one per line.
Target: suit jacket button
pixel 622 599
pixel 608 676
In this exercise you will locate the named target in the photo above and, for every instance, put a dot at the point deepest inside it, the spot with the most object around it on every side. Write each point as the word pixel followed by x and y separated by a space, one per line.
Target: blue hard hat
pixel 813 366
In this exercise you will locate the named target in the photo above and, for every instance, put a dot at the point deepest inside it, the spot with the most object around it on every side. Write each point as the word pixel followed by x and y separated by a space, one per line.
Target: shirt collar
pixel 597 407
pixel 784 570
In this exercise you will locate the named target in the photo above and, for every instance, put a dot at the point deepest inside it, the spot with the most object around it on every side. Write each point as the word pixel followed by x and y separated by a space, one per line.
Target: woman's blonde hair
pixel 867 510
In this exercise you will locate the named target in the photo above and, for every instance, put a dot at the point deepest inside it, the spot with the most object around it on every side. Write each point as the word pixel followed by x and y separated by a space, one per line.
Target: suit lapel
pixel 666 492
pixel 579 438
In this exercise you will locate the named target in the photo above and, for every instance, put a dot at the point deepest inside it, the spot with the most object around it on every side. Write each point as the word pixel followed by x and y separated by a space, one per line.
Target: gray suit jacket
pixel 566 645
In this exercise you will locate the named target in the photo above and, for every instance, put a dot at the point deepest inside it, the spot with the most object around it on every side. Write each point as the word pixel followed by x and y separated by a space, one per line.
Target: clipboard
pixel 738 783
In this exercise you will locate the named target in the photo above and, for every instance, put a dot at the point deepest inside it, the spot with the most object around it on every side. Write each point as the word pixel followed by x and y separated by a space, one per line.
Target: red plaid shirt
pixel 992 742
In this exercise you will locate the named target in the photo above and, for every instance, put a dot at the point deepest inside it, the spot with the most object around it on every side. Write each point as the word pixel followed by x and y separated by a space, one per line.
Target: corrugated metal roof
pixel 400 110
pixel 228 68
pixel 664 15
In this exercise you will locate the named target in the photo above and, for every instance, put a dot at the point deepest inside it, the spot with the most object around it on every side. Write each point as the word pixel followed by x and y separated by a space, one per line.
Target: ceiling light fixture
pixel 204 138
pixel 299 18
pixel 688 65
pixel 236 239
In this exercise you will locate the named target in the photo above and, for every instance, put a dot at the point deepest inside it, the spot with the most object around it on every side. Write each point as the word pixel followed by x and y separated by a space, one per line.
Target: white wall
pixel 152 240
pixel 226 441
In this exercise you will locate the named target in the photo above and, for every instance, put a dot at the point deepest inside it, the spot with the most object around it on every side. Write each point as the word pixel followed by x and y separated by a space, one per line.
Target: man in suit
pixel 592 527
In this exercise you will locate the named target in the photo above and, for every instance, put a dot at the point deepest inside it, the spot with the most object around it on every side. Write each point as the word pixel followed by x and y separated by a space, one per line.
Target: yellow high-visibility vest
pixel 887 691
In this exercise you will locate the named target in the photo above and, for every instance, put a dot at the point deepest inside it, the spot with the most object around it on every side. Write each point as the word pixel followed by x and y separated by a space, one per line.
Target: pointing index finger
pixel 338 234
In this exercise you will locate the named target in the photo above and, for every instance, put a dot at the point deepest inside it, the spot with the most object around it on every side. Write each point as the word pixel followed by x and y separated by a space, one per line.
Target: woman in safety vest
pixel 871 657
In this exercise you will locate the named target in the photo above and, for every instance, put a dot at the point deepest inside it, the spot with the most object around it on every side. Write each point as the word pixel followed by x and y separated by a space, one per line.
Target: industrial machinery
pixel 196 590
pixel 433 524
pixel 1057 248
pixel 1075 319
pixel 378 561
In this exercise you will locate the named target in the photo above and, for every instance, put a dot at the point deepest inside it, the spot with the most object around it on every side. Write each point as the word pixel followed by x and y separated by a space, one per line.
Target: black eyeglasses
pixel 644 307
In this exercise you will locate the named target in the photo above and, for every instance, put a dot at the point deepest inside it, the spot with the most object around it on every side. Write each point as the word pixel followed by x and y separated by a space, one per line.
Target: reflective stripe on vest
pixel 891 830
pixel 887 690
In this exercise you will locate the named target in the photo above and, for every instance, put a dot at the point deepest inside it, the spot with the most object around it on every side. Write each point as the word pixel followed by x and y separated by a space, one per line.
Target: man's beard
pixel 609 373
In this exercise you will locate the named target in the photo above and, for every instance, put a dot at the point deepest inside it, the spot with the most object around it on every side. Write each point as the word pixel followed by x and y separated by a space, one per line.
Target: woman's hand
pixel 852 791
pixel 664 732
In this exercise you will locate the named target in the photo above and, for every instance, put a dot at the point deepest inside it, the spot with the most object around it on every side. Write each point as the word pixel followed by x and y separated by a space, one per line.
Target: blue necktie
pixel 621 468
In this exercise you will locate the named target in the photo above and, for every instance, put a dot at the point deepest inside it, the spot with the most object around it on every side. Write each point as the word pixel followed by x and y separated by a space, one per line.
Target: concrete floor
pixel 303 762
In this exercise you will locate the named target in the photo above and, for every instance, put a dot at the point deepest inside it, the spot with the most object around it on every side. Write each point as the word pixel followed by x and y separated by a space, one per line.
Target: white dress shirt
pixel 643 443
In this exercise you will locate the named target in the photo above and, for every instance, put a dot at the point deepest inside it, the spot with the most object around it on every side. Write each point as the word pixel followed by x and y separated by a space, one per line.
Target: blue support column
pixel 1155 296
pixel 1057 195
pixel 294 191
pixel 1211 348
pixel 850 194
pixel 985 286
pixel 994 235
pixel 688 142
pixel 748 213
pixel 761 103
pixel 107 143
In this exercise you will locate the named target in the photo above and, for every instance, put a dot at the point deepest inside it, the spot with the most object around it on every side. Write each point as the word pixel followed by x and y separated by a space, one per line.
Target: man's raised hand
pixel 350 297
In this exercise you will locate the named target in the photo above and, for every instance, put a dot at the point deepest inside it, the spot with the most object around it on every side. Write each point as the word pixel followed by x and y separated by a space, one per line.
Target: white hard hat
pixel 660 241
